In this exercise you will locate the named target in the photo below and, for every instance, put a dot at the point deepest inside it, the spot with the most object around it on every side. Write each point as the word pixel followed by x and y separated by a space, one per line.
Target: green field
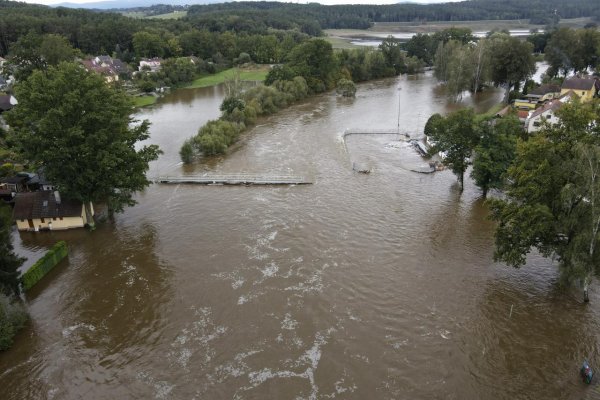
pixel 141 14
pixel 257 74
pixel 173 15
pixel 142 101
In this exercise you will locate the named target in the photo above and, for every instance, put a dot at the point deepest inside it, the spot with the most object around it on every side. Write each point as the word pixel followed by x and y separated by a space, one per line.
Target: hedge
pixel 44 265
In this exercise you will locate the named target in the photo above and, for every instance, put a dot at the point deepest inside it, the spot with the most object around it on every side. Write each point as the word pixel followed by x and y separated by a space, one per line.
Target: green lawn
pixel 258 74
pixel 173 15
pixel 142 101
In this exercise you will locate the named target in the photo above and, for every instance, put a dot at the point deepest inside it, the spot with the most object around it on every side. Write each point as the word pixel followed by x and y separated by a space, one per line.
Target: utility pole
pixel 399 92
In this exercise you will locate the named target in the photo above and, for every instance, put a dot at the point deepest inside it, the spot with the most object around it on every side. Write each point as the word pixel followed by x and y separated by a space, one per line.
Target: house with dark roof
pixel 584 87
pixel 14 183
pixel 544 93
pixel 45 210
pixel 7 102
pixel 110 68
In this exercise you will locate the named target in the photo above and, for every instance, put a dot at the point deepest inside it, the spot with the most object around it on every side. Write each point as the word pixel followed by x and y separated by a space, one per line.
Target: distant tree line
pixel 100 32
pixel 362 16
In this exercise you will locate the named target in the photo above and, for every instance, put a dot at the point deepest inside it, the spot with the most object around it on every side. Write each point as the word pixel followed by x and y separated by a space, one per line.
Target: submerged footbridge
pixel 234 179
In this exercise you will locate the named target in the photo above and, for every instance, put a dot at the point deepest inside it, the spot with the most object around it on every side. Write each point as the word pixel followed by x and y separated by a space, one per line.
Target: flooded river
pixel 377 286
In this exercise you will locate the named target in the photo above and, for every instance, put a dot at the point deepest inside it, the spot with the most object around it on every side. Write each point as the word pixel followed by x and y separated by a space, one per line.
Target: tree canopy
pixel 455 136
pixel 9 261
pixel 552 201
pixel 80 131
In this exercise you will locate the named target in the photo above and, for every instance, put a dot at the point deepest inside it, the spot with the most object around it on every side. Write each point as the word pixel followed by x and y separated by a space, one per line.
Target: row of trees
pixel 551 182
pixel 499 60
pixel 100 32
pixel 572 50
pixel 260 14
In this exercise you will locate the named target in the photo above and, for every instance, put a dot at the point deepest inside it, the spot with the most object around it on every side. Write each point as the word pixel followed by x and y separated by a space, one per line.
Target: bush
pixel 12 318
pixel 44 265
pixel 346 88
pixel 187 152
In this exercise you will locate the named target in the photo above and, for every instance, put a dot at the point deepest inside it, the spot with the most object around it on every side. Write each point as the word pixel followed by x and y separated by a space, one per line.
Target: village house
pixel 547 113
pixel 525 104
pixel 7 102
pixel 150 64
pixel 543 114
pixel 584 87
pixel 544 93
pixel 45 210
pixel 15 183
pixel 110 68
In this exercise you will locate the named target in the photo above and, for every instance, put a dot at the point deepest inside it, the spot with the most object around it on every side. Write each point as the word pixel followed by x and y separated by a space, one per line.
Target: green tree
pixel 553 200
pixel 564 52
pixel 9 261
pixel 314 61
pixel 80 130
pixel 390 47
pixel 511 61
pixel 495 152
pixel 421 46
pixel 148 44
pixel 455 136
pixel 38 52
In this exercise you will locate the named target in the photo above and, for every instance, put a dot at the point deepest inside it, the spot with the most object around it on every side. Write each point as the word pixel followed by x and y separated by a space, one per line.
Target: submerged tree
pixel 511 61
pixel 553 199
pixel 495 152
pixel 80 130
pixel 455 136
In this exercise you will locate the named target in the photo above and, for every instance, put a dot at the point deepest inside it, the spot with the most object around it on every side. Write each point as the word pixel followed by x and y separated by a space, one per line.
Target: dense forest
pixel 99 32
pixel 362 16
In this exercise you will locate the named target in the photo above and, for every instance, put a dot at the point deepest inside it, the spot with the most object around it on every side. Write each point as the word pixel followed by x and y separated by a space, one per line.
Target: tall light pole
pixel 399 92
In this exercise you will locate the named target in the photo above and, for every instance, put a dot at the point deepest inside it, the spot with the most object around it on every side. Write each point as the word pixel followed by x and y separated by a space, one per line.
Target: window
pixel 42 220
pixel 61 218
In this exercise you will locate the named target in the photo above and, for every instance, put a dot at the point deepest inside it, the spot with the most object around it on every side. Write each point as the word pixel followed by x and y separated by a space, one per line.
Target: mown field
pixel 257 73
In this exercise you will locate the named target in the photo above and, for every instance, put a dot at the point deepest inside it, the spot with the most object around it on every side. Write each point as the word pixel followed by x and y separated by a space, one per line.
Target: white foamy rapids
pixel 289 323
pixel 162 389
pixel 233 369
pixel 194 340
pixel 69 330
pixel 310 359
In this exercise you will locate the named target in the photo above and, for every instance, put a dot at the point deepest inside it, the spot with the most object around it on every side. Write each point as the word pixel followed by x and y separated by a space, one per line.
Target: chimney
pixel 57 197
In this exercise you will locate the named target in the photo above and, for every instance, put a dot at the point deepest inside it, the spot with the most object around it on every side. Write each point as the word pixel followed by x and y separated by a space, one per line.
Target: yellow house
pixel 45 210
pixel 584 87
pixel 525 104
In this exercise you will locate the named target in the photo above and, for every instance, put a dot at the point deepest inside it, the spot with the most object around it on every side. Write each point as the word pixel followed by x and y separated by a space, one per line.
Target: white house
pixel 546 113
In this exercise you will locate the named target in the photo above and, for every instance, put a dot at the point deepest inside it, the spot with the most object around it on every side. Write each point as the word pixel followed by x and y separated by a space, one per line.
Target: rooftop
pixel 46 204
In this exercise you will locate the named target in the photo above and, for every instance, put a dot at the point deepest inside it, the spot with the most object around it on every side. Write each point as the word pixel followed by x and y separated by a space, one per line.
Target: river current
pixel 360 286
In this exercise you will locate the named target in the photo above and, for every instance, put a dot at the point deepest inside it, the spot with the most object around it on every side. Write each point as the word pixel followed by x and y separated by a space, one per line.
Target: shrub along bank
pixel 44 265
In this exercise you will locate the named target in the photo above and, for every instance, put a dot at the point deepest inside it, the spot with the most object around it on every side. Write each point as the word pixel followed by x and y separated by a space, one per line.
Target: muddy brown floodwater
pixel 377 286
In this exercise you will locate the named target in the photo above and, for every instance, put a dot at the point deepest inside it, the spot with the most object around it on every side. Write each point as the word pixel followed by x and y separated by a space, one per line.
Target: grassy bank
pixel 143 101
pixel 251 74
